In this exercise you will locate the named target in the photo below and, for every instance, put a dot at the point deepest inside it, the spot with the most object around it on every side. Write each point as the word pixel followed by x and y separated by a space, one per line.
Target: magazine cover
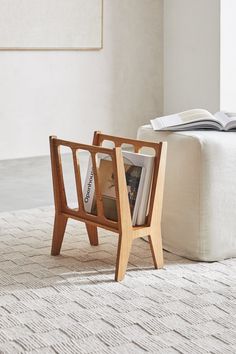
pixel 139 171
pixel 106 177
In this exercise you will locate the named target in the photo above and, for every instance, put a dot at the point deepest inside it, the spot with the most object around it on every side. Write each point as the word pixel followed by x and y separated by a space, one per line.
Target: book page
pixel 227 119
pixel 222 117
pixel 182 118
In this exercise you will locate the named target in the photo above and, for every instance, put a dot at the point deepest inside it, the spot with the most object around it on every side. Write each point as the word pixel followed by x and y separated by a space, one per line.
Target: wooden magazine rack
pixel 123 226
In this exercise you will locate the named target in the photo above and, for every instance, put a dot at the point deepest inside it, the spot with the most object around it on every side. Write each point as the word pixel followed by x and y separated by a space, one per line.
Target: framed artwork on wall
pixel 51 24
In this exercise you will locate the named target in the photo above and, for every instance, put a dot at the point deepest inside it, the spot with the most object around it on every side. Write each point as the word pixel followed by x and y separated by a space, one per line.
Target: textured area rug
pixel 71 304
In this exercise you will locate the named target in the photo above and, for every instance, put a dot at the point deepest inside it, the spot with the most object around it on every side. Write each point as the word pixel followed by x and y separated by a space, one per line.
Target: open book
pixel 195 119
pixel 138 172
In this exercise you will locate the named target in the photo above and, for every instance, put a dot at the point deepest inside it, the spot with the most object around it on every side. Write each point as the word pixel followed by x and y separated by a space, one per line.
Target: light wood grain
pixel 60 223
pixel 123 227
pixel 92 231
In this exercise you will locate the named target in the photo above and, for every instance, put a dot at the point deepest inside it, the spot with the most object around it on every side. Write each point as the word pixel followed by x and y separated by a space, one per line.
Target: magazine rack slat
pixel 127 232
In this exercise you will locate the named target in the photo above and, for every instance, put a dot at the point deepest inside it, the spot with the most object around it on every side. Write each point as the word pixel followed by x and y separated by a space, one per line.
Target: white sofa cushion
pixel 199 207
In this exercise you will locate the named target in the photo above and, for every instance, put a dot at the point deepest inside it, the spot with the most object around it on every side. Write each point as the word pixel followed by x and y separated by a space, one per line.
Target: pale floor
pixel 70 304
pixel 27 183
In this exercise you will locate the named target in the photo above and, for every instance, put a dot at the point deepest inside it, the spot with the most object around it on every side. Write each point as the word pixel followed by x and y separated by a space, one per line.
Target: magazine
pixel 148 162
pixel 196 119
pixel 137 171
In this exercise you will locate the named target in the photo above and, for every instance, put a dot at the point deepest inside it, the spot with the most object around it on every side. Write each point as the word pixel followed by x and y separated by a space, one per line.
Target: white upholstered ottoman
pixel 199 208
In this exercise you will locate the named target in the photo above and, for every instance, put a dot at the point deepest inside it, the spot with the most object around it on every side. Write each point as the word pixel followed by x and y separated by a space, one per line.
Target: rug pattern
pixel 71 304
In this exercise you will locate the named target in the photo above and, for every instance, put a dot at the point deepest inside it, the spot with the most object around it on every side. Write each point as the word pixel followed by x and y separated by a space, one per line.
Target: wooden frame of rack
pixel 123 227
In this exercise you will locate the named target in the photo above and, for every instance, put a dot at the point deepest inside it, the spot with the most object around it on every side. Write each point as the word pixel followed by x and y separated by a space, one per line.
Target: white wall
pixel 71 94
pixel 228 56
pixel 191 55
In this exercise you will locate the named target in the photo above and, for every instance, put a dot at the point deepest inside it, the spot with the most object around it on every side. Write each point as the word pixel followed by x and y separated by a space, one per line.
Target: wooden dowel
pixel 57 176
pixel 78 181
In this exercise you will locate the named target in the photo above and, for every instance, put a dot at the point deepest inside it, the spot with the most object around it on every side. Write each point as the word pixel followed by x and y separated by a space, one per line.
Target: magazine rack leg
pixel 155 238
pixel 123 252
pixel 155 241
pixel 92 232
pixel 60 222
pixel 125 223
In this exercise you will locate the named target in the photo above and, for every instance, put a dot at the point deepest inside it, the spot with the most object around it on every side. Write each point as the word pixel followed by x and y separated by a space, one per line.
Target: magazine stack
pixel 138 172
